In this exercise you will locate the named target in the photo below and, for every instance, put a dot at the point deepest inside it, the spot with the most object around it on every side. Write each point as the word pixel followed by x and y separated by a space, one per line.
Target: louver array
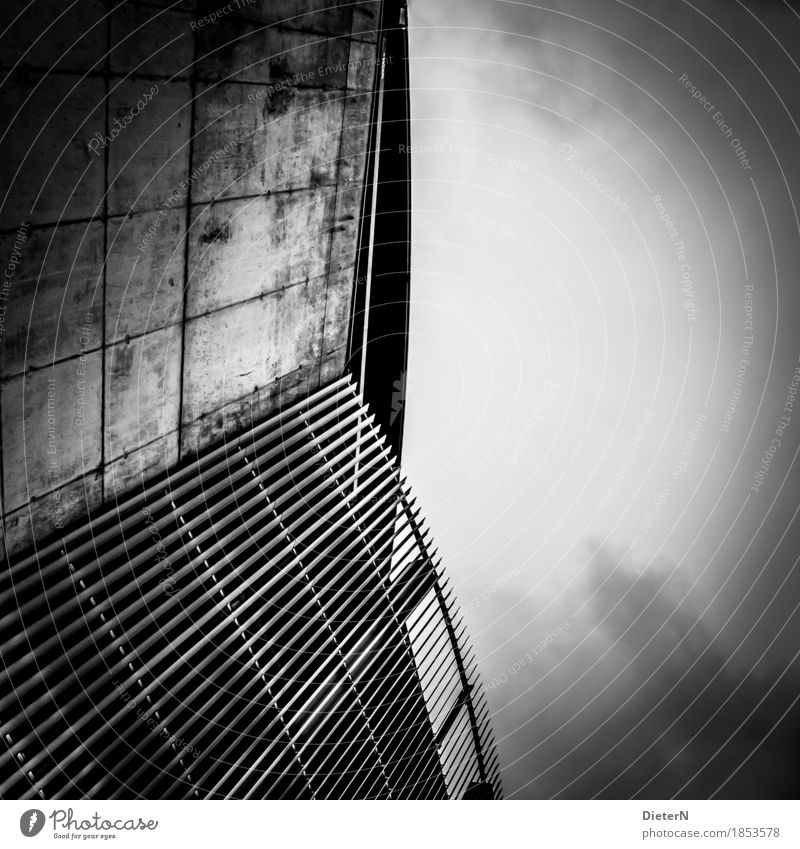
pixel 265 621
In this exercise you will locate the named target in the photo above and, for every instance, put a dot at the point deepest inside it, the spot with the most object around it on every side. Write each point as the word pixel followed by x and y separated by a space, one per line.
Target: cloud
pixel 640 695
pixel 645 700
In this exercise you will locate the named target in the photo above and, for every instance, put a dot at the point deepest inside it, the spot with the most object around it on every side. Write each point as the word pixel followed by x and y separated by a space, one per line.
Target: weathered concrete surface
pixel 341 266
pixel 143 390
pixel 51 427
pixel 270 56
pixel 259 146
pixel 58 282
pixel 309 15
pixel 47 515
pixel 150 156
pixel 136 469
pixel 251 344
pixel 243 412
pixel 48 170
pixel 144 288
pixel 211 237
pixel 239 250
pixel 77 41
pixel 151 42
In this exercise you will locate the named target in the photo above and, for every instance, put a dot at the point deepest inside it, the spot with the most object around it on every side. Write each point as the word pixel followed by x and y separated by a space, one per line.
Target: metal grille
pixel 265 621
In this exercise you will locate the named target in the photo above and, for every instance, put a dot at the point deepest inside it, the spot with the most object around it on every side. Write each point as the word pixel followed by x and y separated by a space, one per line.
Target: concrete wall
pixel 180 202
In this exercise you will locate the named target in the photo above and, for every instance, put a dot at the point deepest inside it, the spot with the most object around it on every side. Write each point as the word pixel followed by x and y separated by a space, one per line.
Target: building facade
pixel 267 621
pixel 245 603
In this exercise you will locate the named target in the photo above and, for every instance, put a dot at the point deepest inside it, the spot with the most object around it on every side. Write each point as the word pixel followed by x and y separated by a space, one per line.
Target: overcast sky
pixel 604 336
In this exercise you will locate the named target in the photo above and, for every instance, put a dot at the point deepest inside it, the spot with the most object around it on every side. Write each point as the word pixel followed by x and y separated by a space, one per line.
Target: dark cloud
pixel 645 700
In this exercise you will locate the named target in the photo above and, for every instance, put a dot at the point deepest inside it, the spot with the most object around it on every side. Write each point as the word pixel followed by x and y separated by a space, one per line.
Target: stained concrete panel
pixel 248 410
pixel 184 5
pixel 143 387
pixel 51 427
pixel 272 264
pixel 151 41
pixel 362 66
pixel 310 16
pixel 141 466
pixel 345 230
pixel 230 352
pixel 57 35
pixel 149 156
pixel 242 249
pixel 355 138
pixel 316 16
pixel 144 287
pixel 38 521
pixel 48 168
pixel 245 146
pixel 54 308
pixel 341 267
pixel 332 366
pixel 236 50
pixel 366 20
pixel 337 312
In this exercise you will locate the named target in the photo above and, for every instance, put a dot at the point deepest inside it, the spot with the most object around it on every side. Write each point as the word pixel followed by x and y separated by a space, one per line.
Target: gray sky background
pixel 571 363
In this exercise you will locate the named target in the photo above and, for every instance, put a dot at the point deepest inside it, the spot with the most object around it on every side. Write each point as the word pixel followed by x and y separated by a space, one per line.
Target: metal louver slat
pixel 238 628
